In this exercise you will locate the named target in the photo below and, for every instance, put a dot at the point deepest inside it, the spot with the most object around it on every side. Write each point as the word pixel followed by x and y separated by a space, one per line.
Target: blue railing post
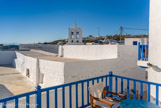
pixel 38 97
pixel 139 51
pixel 110 81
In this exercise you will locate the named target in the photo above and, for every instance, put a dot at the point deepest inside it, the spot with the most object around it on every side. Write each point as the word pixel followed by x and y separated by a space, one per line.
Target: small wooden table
pixel 136 103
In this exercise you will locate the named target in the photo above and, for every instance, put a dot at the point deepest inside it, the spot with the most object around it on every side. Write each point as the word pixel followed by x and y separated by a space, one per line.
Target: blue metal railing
pixel 76 94
pixel 143 52
pixel 141 83
pixel 84 84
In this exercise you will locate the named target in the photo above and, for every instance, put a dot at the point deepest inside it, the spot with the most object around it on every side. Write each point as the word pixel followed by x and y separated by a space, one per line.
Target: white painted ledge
pixel 142 63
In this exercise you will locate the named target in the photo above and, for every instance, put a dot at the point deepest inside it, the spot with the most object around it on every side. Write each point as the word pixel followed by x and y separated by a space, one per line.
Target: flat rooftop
pixel 12 82
pixel 53 57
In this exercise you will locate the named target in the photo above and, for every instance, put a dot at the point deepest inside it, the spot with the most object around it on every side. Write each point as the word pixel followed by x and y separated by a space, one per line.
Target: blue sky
pixel 28 21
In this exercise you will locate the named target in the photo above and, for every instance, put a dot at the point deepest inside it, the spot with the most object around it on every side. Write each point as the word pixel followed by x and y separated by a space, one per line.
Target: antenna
pixel 121 30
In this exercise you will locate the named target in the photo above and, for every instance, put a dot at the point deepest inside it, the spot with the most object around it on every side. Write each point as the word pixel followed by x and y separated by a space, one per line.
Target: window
pixel 135 42
pixel 28 73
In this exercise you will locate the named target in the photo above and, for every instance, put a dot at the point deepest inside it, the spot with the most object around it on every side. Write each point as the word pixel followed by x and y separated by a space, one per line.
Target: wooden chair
pixel 99 99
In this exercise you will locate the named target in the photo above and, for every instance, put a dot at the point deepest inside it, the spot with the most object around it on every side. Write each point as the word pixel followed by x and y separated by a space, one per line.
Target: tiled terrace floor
pixel 12 82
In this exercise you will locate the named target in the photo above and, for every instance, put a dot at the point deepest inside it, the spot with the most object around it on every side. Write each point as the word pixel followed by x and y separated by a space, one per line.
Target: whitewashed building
pixel 154 72
pixel 135 41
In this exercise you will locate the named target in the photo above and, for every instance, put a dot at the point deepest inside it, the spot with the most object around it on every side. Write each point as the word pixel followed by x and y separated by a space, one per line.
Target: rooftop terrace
pixel 12 82
pixel 52 57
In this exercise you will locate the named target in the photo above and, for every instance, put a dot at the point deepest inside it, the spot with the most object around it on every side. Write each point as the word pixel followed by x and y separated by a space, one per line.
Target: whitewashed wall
pixel 63 72
pixel 6 57
pixel 44 47
pixel 89 52
pixel 56 73
pixel 53 71
pixel 125 65
pixel 129 41
pixel 155 43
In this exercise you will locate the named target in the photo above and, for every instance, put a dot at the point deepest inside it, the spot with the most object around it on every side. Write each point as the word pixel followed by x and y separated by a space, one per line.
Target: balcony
pixel 76 94
pixel 143 55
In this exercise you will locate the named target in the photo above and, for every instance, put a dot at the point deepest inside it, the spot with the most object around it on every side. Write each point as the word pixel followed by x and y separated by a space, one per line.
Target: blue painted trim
pixel 39 91
pixel 134 89
pixel 101 79
pixel 76 94
pixel 115 85
pixel 110 81
pixel 122 85
pixel 63 97
pixel 142 52
pixel 70 96
pixel 128 89
pixel 16 103
pixel 27 101
pixel 87 92
pixel 4 105
pixel 17 96
pixel 38 96
pixel 47 99
pixel 82 93
pixel 141 90
pixel 137 80
pixel 106 82
pixel 97 80
pixel 157 95
pixel 56 98
pixel 92 82
pixel 139 51
pixel 148 92
pixel 143 67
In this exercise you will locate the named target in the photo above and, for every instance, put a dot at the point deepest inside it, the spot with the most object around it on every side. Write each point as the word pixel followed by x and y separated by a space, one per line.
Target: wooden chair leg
pixel 91 99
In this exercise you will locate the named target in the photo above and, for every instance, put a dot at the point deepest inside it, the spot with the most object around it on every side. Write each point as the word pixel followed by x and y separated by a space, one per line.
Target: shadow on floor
pixel 4 92
pixel 7 65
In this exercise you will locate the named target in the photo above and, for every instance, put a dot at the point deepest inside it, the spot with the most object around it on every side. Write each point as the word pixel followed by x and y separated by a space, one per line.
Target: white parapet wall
pixel 52 71
pixel 6 57
pixel 125 64
pixel 89 52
